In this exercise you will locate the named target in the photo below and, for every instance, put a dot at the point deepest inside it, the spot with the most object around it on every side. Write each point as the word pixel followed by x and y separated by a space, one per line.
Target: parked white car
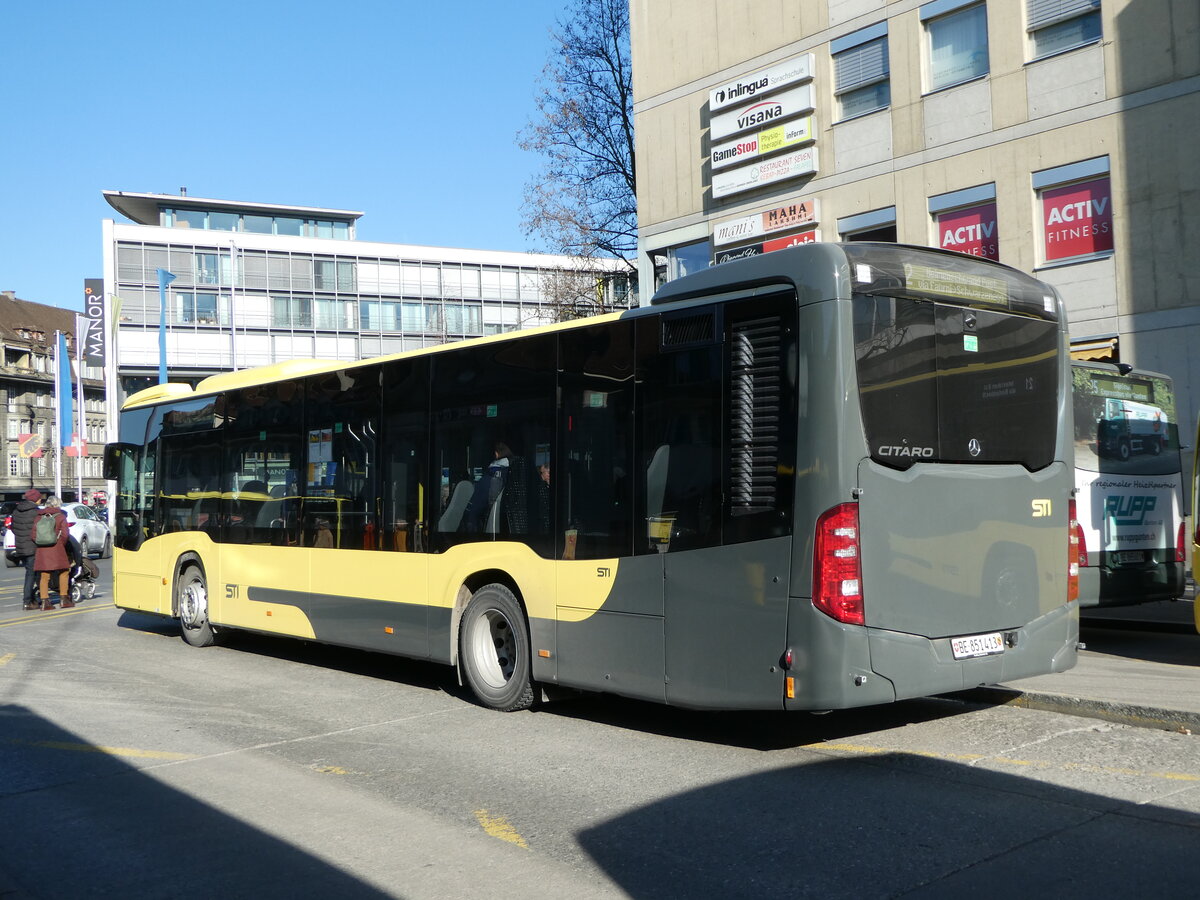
pixel 86 527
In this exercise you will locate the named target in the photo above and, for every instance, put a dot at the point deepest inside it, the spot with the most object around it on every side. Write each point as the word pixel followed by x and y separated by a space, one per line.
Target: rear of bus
pixel 1129 486
pixel 941 503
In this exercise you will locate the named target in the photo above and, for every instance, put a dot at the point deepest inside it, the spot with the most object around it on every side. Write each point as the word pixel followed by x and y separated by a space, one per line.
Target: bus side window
pixel 591 482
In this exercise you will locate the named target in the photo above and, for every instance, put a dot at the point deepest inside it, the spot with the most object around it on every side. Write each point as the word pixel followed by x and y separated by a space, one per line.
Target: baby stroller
pixel 82 574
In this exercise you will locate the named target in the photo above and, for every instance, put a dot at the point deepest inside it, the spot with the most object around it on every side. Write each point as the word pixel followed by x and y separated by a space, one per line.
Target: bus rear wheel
pixel 494 650
pixel 191 601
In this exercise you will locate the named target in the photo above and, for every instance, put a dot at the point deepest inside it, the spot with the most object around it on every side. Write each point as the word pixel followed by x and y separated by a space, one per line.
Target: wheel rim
pixel 83 546
pixel 493 648
pixel 193 604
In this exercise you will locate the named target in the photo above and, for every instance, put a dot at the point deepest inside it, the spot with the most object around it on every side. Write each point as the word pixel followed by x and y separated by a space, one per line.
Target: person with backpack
pixel 50 537
pixel 23 547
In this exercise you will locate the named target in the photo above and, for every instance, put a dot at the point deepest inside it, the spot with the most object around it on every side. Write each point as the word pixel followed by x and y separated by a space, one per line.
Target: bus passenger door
pixel 717 444
pixel 609 628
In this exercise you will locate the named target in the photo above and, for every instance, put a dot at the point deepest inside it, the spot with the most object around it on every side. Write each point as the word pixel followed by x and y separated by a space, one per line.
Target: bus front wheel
pixel 191 600
pixel 494 649
pixel 1124 450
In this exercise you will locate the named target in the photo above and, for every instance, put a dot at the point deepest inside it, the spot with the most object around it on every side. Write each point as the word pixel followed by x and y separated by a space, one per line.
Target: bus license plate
pixel 977 645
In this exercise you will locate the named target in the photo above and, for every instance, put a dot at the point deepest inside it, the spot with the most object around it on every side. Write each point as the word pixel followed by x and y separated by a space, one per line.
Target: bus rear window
pixel 1124 424
pixel 943 383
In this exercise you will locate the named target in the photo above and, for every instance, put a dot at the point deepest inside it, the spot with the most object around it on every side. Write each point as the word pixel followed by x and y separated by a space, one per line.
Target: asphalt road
pixel 132 765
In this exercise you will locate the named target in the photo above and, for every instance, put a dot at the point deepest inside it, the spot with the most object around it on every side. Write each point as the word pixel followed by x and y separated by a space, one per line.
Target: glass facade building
pixel 254 284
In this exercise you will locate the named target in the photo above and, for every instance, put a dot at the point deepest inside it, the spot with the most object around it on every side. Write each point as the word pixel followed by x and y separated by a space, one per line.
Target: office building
pixel 1052 135
pixel 249 284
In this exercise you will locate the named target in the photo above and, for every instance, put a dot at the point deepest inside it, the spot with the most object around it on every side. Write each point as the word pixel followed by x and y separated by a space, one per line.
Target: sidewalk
pixel 1140 666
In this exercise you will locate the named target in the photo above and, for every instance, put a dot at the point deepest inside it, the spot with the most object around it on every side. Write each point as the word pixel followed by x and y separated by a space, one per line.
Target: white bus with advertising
pixel 1129 486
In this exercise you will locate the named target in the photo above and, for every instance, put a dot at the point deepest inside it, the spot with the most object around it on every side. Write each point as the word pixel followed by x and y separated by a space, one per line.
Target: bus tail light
pixel 1181 544
pixel 1074 546
pixel 837 574
pixel 1081 541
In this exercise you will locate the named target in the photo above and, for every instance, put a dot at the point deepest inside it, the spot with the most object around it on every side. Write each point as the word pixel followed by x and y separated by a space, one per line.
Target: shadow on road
pixel 761 730
pixel 1171 648
pixel 76 821
pixel 893 825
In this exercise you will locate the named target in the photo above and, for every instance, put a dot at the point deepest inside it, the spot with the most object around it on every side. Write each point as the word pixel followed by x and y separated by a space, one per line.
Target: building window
pixel 675 262
pixel 876 225
pixel 956 35
pixel 1076 203
pixel 1058 25
pixel 966 221
pixel 196 309
pixel 223 221
pixel 13 465
pixel 860 71
pixel 295 312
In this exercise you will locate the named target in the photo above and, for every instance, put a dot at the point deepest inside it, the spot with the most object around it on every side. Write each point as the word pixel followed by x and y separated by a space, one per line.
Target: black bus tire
pixel 493 650
pixel 1124 450
pixel 191 602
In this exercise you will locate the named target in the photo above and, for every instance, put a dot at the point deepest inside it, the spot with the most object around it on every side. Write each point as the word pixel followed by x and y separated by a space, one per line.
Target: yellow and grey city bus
pixel 1129 486
pixel 831 476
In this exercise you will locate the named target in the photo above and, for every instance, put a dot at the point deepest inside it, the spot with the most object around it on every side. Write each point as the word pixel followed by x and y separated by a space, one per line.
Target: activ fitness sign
pixel 970 230
pixel 1077 219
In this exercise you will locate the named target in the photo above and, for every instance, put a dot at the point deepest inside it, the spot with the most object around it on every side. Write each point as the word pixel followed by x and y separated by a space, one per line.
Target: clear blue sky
pixel 407 111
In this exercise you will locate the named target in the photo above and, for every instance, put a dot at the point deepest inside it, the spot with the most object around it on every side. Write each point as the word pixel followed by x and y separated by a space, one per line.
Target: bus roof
pixel 297 368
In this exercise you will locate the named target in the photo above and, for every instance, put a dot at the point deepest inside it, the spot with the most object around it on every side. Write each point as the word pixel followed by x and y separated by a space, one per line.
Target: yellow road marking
pixel 7 658
pixel 499 827
pixel 331 770
pixel 108 751
pixel 40 616
pixel 999 760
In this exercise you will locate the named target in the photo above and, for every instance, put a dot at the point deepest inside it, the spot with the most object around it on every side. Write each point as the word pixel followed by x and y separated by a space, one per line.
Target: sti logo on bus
pixel 1122 510
pixel 896 452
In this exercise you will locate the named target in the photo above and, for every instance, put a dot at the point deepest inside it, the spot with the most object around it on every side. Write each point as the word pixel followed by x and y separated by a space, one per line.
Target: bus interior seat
pixel 656 480
pixel 452 517
pixel 492 525
pixel 516 496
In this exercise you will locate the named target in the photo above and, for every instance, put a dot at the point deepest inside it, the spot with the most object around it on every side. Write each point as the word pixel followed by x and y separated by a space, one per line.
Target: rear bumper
pixel 840 666
pixel 1108 586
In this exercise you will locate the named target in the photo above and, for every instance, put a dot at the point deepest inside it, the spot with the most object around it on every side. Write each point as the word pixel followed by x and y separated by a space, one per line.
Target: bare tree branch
pixel 583 201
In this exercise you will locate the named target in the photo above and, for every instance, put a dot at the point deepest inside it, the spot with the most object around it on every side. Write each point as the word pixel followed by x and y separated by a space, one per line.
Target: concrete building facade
pixel 1056 136
pixel 28 416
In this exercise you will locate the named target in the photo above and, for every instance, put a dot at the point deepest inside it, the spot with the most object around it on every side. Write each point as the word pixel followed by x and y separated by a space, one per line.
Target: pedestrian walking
pixel 24 549
pixel 49 535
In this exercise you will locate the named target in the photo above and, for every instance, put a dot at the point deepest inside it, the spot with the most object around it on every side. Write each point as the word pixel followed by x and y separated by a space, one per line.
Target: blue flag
pixel 64 386
pixel 164 278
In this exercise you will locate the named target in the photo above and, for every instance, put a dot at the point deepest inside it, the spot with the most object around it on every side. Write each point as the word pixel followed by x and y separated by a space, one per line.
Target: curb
pixel 1177 720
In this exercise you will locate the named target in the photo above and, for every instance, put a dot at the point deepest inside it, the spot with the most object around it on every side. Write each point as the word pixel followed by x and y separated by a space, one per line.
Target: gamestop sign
pixel 971 230
pixel 1077 219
